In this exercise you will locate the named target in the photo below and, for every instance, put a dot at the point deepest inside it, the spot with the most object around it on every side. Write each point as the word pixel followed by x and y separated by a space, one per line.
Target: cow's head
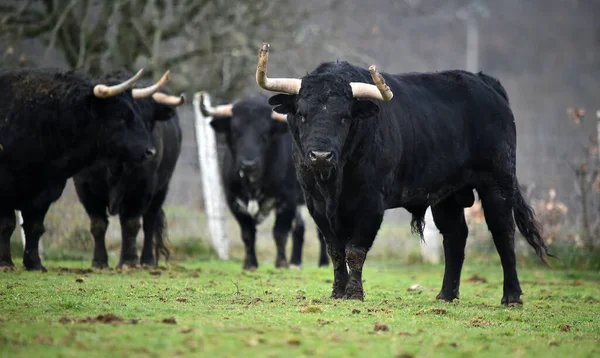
pixel 122 131
pixel 250 125
pixel 322 108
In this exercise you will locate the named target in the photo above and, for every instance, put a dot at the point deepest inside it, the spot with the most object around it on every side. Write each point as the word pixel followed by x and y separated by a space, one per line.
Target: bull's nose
pixel 320 157
pixel 248 164
pixel 150 152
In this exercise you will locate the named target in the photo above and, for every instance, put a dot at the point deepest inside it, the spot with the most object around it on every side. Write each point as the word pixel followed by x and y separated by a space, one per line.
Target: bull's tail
pixel 529 227
pixel 160 237
pixel 495 84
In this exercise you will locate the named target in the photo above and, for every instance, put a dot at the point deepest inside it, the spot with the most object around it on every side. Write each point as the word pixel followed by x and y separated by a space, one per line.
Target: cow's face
pixel 322 117
pixel 250 131
pixel 123 133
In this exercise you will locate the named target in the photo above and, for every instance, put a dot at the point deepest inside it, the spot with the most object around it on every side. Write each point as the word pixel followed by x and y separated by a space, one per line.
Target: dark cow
pixel 134 190
pixel 258 175
pixel 54 124
pixel 358 152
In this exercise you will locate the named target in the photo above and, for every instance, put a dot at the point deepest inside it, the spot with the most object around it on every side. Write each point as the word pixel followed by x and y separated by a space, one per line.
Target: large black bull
pixel 134 190
pixel 54 124
pixel 429 139
pixel 258 175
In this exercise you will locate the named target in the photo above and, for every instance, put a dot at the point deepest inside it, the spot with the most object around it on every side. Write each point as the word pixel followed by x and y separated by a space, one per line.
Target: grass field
pixel 211 308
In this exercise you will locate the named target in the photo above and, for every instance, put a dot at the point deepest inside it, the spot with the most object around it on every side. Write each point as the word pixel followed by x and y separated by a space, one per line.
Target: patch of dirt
pixel 565 327
pixel 294 342
pixel 478 322
pixel 186 329
pixel 432 310
pixel 404 355
pixel 311 309
pixel 323 322
pixel 380 327
pixel 476 279
pixel 80 279
pixel 170 320
pixel 255 341
pixel 405 334
pixel 155 273
pixel 196 274
pixel 553 344
pixel 355 311
pixel 103 318
pixel 78 271
pixel 181 299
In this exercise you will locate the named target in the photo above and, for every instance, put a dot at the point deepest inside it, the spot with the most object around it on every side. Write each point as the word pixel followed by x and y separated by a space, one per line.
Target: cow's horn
pixel 278 116
pixel 379 91
pixel 146 92
pixel 285 85
pixel 224 110
pixel 104 91
pixel 169 100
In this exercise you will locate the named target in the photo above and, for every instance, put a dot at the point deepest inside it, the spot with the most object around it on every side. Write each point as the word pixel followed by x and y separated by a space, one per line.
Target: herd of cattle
pixel 346 142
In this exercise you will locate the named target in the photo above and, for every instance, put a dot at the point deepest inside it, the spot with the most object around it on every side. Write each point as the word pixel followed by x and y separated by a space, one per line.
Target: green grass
pixel 221 311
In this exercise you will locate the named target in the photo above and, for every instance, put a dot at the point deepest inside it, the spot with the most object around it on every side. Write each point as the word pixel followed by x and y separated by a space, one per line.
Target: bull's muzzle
pixel 322 162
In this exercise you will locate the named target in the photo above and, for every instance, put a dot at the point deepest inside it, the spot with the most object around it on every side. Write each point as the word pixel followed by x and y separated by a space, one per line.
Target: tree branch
pixel 57 27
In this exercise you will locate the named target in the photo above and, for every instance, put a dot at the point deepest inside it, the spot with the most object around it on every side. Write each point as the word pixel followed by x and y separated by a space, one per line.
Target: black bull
pixel 54 124
pixel 441 136
pixel 258 176
pixel 132 190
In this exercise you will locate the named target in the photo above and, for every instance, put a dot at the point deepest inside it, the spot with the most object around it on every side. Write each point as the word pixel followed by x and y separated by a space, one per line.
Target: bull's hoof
pixel 337 294
pixel 100 265
pixel 354 292
pixel 38 267
pixel 512 300
pixel 323 263
pixel 295 266
pixel 281 263
pixel 128 264
pixel 148 261
pixel 249 267
pixel 7 265
pixel 33 264
pixel 448 297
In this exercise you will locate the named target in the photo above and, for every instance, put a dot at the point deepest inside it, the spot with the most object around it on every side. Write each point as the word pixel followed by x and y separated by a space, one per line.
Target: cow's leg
pixel 361 240
pixel 129 230
pixel 449 218
pixel 497 206
pixel 98 227
pixel 154 226
pixel 8 222
pixel 340 270
pixel 297 240
pixel 248 233
pixel 323 258
pixel 281 230
pixel 33 226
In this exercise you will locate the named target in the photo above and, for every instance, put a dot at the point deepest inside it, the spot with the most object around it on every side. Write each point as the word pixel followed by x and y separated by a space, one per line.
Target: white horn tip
pixel 265 47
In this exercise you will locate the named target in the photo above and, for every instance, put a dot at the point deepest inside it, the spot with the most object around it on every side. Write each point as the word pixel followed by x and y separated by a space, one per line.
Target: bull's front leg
pixel 281 230
pixel 8 222
pixel 33 226
pixel 340 271
pixel 361 240
pixel 129 231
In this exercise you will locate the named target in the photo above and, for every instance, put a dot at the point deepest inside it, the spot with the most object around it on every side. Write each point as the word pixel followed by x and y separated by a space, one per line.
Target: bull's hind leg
pixel 323 258
pixel 497 206
pixel 129 231
pixel 154 226
pixel 33 226
pixel 297 240
pixel 449 218
pixel 8 223
pixel 98 227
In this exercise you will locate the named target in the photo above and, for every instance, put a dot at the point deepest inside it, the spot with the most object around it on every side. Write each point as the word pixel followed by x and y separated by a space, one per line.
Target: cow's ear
pixel 221 124
pixel 284 103
pixel 279 127
pixel 364 109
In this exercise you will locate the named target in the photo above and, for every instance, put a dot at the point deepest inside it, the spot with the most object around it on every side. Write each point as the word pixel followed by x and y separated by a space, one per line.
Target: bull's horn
pixel 380 91
pixel 278 116
pixel 285 85
pixel 104 91
pixel 146 92
pixel 224 110
pixel 168 100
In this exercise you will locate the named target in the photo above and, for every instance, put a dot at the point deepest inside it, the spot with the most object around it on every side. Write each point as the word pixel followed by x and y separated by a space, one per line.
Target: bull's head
pixel 122 112
pixel 250 126
pixel 322 109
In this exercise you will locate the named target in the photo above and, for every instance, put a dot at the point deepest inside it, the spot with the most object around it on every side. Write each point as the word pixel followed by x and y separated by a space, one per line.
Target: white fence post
pixel 214 198
pixel 430 249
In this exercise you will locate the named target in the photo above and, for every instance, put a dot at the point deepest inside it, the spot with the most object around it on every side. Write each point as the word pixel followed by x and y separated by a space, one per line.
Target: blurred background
pixel 544 52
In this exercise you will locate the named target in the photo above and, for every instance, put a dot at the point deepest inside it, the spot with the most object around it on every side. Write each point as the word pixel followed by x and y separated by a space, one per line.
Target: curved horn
pixel 104 91
pixel 278 116
pixel 285 85
pixel 380 91
pixel 224 110
pixel 146 92
pixel 168 100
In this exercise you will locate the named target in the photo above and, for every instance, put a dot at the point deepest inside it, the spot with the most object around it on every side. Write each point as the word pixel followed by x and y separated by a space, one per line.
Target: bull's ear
pixel 284 103
pixel 279 127
pixel 221 124
pixel 163 113
pixel 364 109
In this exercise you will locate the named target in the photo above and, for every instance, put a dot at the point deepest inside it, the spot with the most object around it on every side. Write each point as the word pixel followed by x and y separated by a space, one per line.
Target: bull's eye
pixel 302 119
pixel 344 120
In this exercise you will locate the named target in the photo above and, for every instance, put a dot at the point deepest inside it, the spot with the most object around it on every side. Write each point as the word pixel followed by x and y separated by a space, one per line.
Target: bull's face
pixel 322 118
pixel 249 130
pixel 323 110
